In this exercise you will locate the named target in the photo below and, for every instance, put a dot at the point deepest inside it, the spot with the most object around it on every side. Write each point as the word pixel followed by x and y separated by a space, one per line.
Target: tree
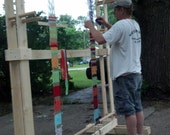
pixel 4 67
pixel 154 19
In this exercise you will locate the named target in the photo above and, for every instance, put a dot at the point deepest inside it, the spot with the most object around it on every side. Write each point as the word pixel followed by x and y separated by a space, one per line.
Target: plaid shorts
pixel 127 94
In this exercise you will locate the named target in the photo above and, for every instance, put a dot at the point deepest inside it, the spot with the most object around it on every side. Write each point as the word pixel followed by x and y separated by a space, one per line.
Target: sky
pixel 73 8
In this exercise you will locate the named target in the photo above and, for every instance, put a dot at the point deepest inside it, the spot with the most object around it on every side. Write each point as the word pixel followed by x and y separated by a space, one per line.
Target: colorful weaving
pixel 64 69
pixel 56 73
pixel 93 66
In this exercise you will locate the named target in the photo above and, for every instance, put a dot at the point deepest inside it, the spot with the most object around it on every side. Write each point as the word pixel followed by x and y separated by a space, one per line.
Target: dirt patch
pixel 77 116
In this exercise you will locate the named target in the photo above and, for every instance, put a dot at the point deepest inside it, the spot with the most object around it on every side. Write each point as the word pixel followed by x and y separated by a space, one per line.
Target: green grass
pixel 79 66
pixel 79 79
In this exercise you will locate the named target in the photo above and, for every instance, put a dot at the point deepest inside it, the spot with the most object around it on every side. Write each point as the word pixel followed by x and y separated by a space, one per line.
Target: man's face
pixel 118 11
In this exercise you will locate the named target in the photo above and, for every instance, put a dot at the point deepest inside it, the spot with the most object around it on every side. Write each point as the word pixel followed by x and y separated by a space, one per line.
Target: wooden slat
pixel 121 129
pixel 46 24
pixel 32 13
pixel 102 70
pixel 33 19
pixel 104 128
pixel 23 15
pixel 93 127
pixel 14 73
pixel 24 75
pixel 28 54
pixel 101 2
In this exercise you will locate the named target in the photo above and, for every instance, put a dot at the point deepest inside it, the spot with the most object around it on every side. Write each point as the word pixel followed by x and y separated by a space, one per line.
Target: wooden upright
pixel 19 69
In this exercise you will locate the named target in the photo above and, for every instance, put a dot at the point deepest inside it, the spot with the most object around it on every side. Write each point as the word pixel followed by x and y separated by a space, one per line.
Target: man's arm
pixel 98 37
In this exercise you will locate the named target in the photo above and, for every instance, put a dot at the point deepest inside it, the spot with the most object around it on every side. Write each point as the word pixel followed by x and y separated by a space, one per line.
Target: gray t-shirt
pixel 125 40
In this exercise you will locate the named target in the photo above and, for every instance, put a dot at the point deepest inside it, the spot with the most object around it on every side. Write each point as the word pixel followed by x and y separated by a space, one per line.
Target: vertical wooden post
pixel 108 65
pixel 19 71
pixel 102 70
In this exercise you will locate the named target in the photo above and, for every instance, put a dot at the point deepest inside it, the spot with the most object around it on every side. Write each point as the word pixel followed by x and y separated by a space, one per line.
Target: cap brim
pixel 113 5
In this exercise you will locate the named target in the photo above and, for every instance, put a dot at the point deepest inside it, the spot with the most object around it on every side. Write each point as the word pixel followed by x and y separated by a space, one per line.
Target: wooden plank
pixel 14 73
pixel 102 70
pixel 102 52
pixel 101 2
pixel 121 130
pixel 28 54
pixel 33 19
pixel 91 128
pixel 46 24
pixel 18 54
pixel 23 15
pixel 78 53
pixel 24 72
pixel 111 95
pixel 103 85
pixel 32 13
pixel 105 128
pixel 116 130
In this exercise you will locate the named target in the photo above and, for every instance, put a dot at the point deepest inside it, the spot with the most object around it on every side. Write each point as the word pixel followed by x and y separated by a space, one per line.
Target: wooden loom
pixel 108 123
pixel 18 54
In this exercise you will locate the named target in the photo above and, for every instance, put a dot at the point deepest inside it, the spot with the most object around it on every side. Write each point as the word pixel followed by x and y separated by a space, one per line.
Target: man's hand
pixel 88 24
pixel 100 20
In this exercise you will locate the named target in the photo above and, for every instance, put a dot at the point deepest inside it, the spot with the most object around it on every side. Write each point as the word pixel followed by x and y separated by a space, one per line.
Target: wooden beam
pixel 32 13
pixel 121 130
pixel 28 54
pixel 19 71
pixel 46 24
pixel 104 128
pixel 23 15
pixel 109 121
pixel 32 19
pixel 101 2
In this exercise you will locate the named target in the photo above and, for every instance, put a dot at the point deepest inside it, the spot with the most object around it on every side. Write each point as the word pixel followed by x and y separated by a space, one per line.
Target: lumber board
pixel 32 13
pixel 104 128
pixel 18 54
pixel 101 2
pixel 33 19
pixel 24 75
pixel 28 54
pixel 105 124
pixel 121 130
pixel 46 24
pixel 116 130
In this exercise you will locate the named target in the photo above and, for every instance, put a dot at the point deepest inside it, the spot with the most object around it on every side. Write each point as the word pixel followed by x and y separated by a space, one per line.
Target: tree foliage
pixel 38 39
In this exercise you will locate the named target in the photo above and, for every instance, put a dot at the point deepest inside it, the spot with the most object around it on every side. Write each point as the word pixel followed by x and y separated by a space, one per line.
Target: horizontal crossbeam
pixel 28 54
pixel 101 2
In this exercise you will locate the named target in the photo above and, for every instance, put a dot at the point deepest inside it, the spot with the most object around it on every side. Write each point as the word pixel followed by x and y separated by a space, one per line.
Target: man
pixel 125 40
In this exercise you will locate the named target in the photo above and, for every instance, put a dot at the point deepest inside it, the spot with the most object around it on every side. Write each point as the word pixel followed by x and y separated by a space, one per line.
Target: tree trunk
pixel 154 19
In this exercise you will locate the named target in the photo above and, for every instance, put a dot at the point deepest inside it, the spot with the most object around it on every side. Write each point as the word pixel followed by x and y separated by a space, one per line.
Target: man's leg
pixel 140 122
pixel 131 123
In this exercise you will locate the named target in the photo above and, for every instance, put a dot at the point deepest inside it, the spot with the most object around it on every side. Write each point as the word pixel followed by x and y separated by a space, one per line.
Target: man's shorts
pixel 127 94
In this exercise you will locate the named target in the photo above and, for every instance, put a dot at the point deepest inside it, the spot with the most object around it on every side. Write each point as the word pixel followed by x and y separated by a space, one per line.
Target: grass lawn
pixel 79 77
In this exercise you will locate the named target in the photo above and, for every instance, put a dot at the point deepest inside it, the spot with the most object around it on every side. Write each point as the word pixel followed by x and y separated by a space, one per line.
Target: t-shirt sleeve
pixel 113 34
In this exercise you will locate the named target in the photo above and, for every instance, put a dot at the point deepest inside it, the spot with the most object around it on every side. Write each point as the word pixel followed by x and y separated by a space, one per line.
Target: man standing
pixel 125 40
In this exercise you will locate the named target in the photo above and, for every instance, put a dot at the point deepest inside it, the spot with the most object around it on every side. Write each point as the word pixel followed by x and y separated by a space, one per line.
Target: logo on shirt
pixel 135 36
